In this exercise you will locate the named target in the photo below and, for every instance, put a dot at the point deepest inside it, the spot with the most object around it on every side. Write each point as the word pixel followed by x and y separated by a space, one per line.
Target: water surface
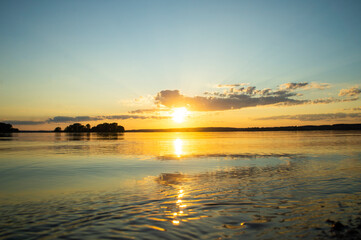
pixel 232 185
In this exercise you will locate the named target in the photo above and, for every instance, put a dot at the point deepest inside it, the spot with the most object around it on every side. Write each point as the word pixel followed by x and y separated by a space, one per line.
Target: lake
pixel 223 185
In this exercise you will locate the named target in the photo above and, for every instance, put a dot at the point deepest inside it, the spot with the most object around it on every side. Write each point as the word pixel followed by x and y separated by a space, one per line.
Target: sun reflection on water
pixel 178 147
pixel 178 212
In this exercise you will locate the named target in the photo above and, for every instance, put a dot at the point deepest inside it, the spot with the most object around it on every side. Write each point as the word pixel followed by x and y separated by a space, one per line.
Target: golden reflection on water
pixel 288 186
pixel 178 150
pixel 176 145
pixel 179 208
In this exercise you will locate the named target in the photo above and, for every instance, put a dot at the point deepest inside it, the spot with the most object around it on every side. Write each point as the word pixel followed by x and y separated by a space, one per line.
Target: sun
pixel 179 114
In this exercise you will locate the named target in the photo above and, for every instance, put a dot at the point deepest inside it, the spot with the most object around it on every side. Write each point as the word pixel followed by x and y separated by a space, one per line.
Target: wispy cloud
pixel 123 117
pixel 16 122
pixel 148 110
pixel 291 86
pixel 332 100
pixel 67 119
pixel 231 85
pixel 304 85
pixel 315 117
pixel 353 91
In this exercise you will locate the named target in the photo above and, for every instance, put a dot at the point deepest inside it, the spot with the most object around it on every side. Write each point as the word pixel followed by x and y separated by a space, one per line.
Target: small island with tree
pixel 7 128
pixel 103 127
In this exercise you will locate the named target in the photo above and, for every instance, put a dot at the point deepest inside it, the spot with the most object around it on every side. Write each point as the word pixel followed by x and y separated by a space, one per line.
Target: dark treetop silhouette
pixel 6 128
pixel 104 127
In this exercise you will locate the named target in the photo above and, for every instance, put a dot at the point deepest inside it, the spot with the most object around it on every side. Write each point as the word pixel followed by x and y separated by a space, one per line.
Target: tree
pixel 108 127
pixel 76 127
pixel 57 129
pixel 6 127
pixel 104 127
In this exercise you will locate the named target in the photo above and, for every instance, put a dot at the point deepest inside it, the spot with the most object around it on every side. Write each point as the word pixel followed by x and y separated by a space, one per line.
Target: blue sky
pixel 72 58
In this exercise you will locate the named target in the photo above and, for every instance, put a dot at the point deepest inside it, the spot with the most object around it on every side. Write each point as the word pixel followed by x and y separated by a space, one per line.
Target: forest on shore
pixel 103 127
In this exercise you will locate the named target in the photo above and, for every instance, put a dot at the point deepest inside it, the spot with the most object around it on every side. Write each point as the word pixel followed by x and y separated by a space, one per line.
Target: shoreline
pixel 333 127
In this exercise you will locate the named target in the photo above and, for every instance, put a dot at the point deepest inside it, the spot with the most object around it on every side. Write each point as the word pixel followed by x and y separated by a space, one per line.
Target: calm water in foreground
pixel 236 185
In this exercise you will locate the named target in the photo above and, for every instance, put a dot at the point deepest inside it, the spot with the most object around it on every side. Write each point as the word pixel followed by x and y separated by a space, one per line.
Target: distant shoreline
pixel 257 129
pixel 334 127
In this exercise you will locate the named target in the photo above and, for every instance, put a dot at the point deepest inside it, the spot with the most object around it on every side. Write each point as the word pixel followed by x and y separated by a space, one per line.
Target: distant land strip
pixel 335 127
pixel 254 129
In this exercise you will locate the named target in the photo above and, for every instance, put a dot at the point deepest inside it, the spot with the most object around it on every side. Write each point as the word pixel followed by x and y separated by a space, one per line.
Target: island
pixel 7 128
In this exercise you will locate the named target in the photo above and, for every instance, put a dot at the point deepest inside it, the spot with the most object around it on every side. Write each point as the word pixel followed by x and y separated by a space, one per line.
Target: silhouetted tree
pixel 6 127
pixel 108 127
pixel 104 127
pixel 76 127
pixel 57 129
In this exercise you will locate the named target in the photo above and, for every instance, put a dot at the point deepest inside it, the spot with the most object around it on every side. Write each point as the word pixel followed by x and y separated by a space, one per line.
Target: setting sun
pixel 179 114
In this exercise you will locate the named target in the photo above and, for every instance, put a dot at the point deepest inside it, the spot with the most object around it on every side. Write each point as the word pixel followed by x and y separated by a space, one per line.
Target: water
pixel 249 185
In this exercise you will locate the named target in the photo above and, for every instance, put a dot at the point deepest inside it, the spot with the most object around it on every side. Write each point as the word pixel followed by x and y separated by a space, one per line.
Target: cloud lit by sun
pixel 179 114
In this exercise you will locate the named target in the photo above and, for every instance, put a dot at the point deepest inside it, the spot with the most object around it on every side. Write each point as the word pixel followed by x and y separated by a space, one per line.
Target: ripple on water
pixel 255 202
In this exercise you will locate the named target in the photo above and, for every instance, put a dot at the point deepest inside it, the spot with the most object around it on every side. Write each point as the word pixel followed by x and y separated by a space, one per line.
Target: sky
pixel 228 63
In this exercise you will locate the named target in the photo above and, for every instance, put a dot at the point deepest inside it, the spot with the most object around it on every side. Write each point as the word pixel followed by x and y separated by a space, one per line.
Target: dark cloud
pixel 66 119
pixel 15 122
pixel 325 100
pixel 123 117
pixel 63 119
pixel 353 92
pixel 242 98
pixel 235 96
pixel 315 117
pixel 332 100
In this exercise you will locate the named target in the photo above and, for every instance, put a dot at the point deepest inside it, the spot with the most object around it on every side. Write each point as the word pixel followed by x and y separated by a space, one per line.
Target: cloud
pixel 64 119
pixel 123 117
pixel 304 85
pixel 231 85
pixel 241 98
pixel 238 96
pixel 315 117
pixel 320 86
pixel 67 119
pixel 292 86
pixel 353 92
pixel 332 100
pixel 356 109
pixel 148 110
pixel 143 110
pixel 16 122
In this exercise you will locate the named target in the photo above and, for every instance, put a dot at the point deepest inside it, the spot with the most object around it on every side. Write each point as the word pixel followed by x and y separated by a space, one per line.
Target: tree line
pixel 103 127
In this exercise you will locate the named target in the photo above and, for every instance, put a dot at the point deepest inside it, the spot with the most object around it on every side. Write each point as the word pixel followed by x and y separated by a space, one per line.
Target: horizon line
pixel 338 126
